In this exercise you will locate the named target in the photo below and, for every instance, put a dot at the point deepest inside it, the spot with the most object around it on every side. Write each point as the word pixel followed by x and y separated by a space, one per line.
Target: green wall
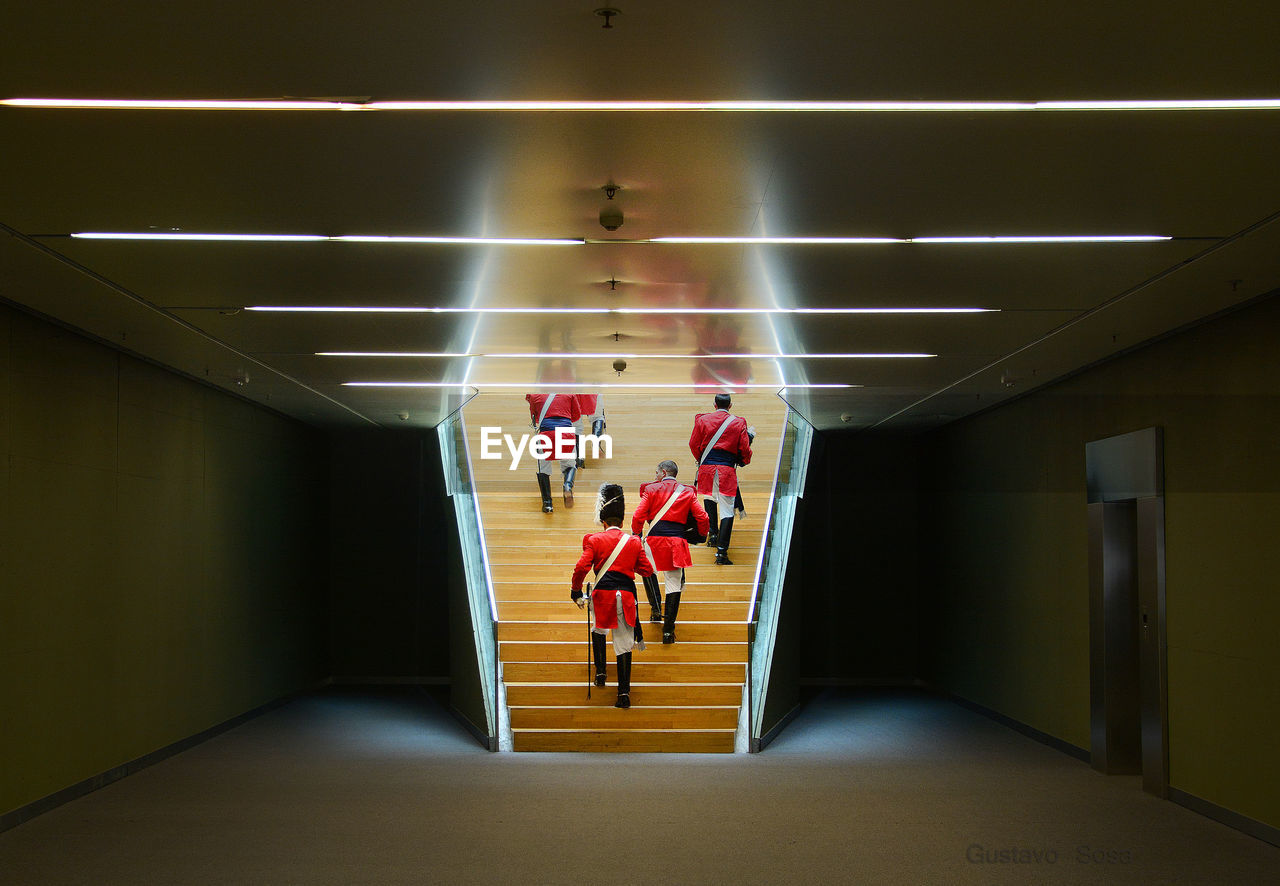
pixel 1008 587
pixel 159 568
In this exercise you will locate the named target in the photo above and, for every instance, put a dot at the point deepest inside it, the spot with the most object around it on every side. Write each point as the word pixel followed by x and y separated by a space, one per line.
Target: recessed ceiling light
pixel 323 238
pixel 185 104
pixel 603 356
pixel 226 238
pixel 579 386
pixel 861 241
pixel 1081 238
pixel 663 311
pixel 660 106
pixel 570 241
pixel 779 241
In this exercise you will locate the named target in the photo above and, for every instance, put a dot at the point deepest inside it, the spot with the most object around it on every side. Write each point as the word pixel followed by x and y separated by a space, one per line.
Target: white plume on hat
pixel 609 502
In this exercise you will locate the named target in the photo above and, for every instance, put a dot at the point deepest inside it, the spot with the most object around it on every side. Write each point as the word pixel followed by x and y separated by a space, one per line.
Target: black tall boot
pixel 722 548
pixel 544 486
pixel 597 656
pixel 569 474
pixel 669 624
pixel 624 681
pixel 713 521
pixel 597 428
pixel 654 593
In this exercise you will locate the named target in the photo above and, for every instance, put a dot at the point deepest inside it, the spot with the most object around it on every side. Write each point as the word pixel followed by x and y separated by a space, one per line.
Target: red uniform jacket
pixel 586 403
pixel 596 549
pixel 563 406
pixel 668 552
pixel 734 441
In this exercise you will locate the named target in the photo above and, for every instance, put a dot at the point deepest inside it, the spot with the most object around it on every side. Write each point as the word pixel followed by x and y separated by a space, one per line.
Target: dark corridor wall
pixel 389 524
pixel 861 554
pixel 161 558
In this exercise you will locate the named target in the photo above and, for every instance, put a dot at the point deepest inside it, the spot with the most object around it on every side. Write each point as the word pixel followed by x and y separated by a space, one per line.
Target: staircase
pixel 685 696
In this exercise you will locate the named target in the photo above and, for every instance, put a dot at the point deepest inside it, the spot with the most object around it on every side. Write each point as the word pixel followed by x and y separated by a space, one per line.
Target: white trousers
pixel 673 580
pixel 723 502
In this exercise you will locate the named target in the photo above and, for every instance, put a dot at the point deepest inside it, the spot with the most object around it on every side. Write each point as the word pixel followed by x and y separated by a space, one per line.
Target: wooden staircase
pixel 684 696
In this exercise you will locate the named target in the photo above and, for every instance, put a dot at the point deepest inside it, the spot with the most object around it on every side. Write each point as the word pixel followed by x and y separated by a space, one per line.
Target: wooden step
pixel 691 609
pixel 639 716
pixel 567 554
pixel 666 694
pixel 554 592
pixel 575 631
pixel 576 652
pixel 557 574
pixel 674 741
pixel 642 671
pixel 556 536
pixel 523 485
pixel 558 568
pixel 580 517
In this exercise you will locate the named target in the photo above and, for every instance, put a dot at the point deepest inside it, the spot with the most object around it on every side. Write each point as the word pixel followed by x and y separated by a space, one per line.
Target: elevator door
pixel 1127 659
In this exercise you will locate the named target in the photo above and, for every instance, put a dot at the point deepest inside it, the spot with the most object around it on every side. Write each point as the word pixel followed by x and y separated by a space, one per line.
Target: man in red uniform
pixel 667 504
pixel 549 412
pixel 616 557
pixel 721 443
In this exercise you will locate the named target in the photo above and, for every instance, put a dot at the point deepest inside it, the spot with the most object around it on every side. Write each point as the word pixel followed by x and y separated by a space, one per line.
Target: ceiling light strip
pixel 862 241
pixel 217 238
pixel 391 309
pixel 571 241
pixel 185 104
pixel 325 238
pixel 846 107
pixel 577 386
pixel 770 241
pixel 610 356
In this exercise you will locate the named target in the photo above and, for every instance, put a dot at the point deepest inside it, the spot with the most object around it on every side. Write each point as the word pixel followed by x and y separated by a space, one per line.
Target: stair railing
pixel 771 569
pixel 483 608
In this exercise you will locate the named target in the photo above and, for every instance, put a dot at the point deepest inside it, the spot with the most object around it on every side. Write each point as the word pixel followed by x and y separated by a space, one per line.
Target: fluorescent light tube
pixel 609 356
pixel 389 309
pixel 578 386
pixel 344 238
pixel 1245 104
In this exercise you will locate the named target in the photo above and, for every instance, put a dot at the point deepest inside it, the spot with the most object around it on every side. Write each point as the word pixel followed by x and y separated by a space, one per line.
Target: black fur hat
pixel 610 505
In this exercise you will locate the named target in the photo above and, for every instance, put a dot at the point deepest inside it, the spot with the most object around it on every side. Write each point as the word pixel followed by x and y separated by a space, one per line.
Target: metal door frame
pixel 1129 468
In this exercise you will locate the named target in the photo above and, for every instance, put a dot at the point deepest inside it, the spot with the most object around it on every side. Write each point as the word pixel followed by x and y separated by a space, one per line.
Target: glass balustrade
pixel 788 488
pixel 460 486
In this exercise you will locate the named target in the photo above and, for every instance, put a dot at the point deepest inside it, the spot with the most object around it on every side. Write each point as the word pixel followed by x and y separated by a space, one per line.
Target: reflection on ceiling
pixel 1007 196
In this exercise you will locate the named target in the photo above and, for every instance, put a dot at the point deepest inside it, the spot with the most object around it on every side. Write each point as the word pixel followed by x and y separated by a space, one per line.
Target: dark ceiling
pixel 1206 178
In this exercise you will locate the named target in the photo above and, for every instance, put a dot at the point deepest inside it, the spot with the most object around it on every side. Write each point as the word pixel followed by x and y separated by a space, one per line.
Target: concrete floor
pixel 383 786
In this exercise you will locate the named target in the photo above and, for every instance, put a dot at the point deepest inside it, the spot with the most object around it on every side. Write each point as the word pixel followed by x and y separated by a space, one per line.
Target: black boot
pixel 669 625
pixel 544 486
pixel 624 681
pixel 597 427
pixel 713 521
pixel 597 655
pixel 569 474
pixel 722 548
pixel 654 593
